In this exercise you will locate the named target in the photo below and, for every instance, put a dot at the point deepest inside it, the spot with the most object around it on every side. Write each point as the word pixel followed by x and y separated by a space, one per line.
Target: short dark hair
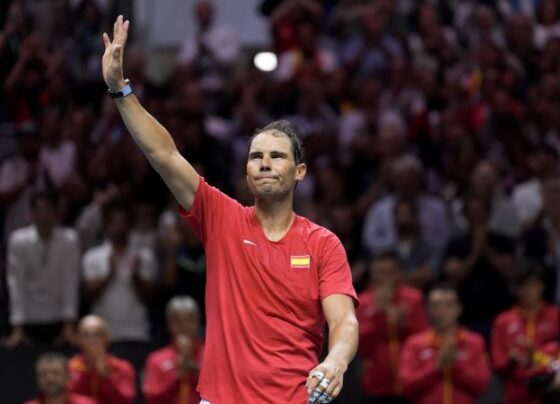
pixel 527 269
pixel 286 128
pixel 48 196
pixel 53 356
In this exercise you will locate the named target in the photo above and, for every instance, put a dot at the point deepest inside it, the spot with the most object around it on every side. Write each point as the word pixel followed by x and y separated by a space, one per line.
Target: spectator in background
pixel 419 260
pixel 480 263
pixel 447 363
pixel 18 180
pixel 43 268
pixel 119 280
pixel 388 314
pixel 518 332
pixel 541 243
pixel 172 372
pixel 528 196
pixel 52 381
pixel 94 372
pixel 212 50
pixel 485 183
pixel 285 16
pixel 370 54
pixel 57 156
pixel 308 59
pixel 380 231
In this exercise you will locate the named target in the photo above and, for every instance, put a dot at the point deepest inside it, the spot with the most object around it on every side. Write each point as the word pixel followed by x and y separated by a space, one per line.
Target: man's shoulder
pixel 410 294
pixel 24 235
pixel 67 234
pixel 471 337
pixel 77 363
pixel 97 252
pixel 420 339
pixel 505 317
pixel 316 233
pixel 160 355
pixel 121 364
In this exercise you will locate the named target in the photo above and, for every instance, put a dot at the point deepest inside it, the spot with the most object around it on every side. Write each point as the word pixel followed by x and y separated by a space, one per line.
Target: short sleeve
pixel 335 276
pixel 209 210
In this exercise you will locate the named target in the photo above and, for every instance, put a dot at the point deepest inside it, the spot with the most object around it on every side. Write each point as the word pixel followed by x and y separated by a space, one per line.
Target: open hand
pixel 112 62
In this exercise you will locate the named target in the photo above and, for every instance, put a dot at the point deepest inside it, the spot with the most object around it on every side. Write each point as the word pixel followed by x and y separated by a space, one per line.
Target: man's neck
pixel 275 218
pixel 45 233
pixel 531 308
pixel 446 332
pixel 58 399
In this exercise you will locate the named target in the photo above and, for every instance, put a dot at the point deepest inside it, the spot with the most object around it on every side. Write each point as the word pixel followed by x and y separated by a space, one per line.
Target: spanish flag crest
pixel 300 261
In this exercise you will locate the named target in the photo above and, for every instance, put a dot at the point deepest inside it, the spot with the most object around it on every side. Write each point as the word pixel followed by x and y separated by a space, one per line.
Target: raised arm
pixel 154 140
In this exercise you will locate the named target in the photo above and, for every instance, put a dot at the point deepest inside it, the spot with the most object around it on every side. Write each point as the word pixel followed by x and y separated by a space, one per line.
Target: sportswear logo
pixel 300 261
pixel 249 242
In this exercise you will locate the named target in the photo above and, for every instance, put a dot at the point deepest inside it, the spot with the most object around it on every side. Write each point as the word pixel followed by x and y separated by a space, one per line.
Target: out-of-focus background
pixel 431 128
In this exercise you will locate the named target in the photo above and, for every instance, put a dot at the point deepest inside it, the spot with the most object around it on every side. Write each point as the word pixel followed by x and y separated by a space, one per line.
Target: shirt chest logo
pixel 300 261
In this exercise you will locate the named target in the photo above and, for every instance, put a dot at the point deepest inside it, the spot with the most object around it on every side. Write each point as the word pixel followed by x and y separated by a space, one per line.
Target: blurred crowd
pixel 432 137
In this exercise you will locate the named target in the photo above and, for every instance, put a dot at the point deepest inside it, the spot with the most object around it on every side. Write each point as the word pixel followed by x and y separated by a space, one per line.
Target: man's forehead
pixel 272 139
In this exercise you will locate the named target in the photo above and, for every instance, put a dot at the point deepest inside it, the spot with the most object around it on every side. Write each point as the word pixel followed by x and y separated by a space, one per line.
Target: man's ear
pixel 301 170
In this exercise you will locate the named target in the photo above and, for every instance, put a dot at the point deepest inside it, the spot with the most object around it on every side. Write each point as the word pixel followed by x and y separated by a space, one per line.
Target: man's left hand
pixel 325 381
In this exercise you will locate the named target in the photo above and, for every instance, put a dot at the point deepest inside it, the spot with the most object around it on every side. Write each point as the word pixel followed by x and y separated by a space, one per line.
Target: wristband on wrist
pixel 123 92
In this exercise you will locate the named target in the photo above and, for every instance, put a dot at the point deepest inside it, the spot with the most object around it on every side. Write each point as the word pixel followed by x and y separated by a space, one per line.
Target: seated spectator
pixel 172 372
pixel 518 332
pixel 389 312
pixel 94 372
pixel 119 280
pixel 479 264
pixel 52 381
pixel 43 267
pixel 447 363
pixel 380 231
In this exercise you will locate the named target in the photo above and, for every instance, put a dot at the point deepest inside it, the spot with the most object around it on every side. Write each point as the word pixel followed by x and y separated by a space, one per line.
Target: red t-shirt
pixel 263 301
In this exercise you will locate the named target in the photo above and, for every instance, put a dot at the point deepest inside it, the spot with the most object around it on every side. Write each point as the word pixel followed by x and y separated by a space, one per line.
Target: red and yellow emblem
pixel 300 261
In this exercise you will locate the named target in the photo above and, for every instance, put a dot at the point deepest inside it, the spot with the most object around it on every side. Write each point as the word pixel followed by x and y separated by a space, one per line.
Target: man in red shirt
pixel 520 331
pixel 52 381
pixel 447 363
pixel 172 372
pixel 94 372
pixel 389 312
pixel 273 278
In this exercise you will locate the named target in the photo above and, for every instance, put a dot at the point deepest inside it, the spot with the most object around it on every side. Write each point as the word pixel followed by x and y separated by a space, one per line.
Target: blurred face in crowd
pixel 44 214
pixel 408 181
pixel 204 13
pixel 52 377
pixel 183 322
pixel 444 309
pixel 271 168
pixel 118 226
pixel 384 271
pixel 529 293
pixel 484 179
pixel 93 335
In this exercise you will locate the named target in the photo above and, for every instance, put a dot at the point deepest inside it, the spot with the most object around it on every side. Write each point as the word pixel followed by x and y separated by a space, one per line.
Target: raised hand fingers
pixel 106 40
